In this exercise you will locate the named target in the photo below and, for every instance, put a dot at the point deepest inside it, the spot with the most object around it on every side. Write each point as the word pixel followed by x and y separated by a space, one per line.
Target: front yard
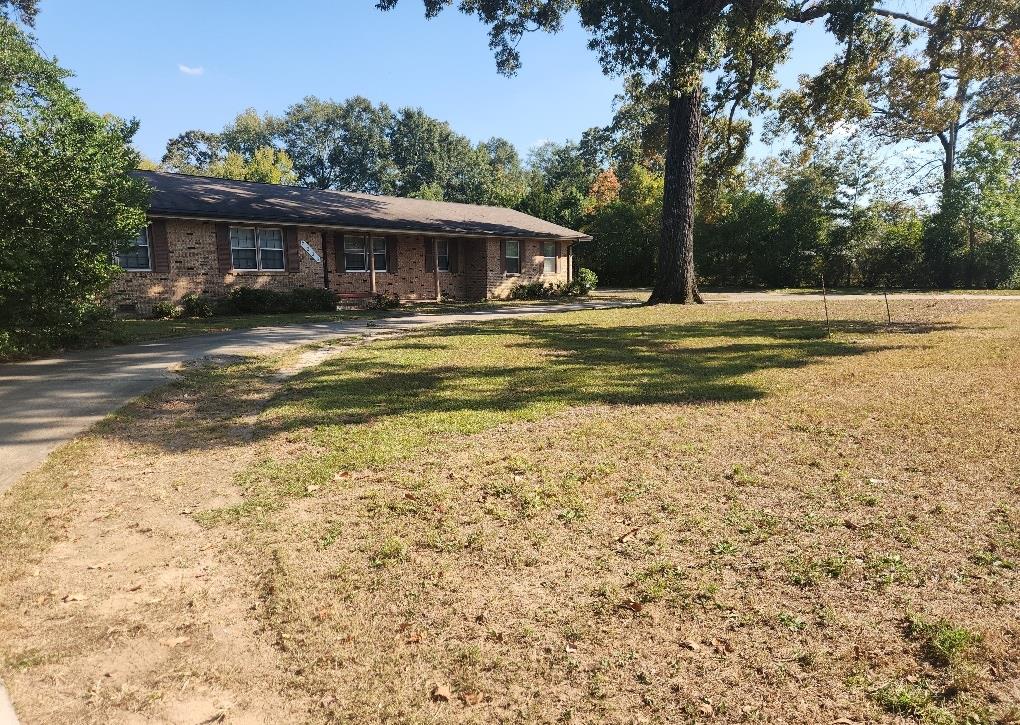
pixel 707 514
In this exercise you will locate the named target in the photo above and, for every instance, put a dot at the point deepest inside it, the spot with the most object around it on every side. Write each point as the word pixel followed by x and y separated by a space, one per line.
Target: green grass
pixel 942 642
pixel 126 331
pixel 379 404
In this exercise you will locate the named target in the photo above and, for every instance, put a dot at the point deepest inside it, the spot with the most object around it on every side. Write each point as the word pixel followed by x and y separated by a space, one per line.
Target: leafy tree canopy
pixel 69 202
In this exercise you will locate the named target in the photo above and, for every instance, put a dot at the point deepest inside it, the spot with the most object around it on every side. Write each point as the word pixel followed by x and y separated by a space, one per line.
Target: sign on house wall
pixel 311 252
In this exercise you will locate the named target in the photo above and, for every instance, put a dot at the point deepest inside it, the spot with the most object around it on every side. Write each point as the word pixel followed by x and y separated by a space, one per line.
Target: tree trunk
pixel 675 281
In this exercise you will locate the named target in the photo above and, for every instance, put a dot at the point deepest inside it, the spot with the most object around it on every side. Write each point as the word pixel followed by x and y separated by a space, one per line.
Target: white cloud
pixel 190 71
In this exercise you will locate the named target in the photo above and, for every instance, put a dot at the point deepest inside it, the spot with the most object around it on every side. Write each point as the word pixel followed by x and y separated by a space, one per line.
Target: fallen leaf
pixel 471 698
pixel 691 645
pixel 413 638
pixel 441 693
pixel 629 535
pixel 571 649
pixel 312 489
pixel 173 642
pixel 73 597
pixel 633 605
pixel 342 475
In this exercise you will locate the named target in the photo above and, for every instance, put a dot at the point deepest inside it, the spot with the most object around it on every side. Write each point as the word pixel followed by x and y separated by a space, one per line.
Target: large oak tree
pixel 677 44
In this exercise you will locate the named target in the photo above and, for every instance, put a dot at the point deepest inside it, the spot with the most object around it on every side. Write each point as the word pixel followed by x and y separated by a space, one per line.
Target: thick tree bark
pixel 675 281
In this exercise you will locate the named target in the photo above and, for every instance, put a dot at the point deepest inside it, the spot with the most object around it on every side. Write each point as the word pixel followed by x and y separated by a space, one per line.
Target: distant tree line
pixel 838 208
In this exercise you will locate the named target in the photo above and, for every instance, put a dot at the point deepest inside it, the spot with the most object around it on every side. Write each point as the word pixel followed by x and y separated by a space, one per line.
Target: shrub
pixel 312 299
pixel 164 310
pixel 193 305
pixel 585 281
pixel 384 301
pixel 251 301
pixel 532 291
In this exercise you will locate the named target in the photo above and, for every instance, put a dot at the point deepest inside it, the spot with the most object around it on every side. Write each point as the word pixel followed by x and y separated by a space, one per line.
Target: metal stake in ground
pixel 825 301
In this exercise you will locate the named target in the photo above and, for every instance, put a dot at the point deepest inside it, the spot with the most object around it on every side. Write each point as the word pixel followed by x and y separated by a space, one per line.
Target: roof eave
pixel 172 214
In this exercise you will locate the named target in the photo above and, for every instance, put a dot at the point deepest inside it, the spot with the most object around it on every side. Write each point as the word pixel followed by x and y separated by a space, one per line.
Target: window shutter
pixel 291 250
pixel 391 254
pixel 223 248
pixel 454 250
pixel 430 265
pixel 559 251
pixel 159 246
pixel 502 256
pixel 338 251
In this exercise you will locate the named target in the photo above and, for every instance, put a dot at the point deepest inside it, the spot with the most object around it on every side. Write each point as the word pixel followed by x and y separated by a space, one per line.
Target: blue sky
pixel 196 64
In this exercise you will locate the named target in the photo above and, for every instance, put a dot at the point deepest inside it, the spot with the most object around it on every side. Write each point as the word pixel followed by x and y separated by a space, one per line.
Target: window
pixel 256 248
pixel 354 254
pixel 270 248
pixel 356 257
pixel 137 257
pixel 512 256
pixel 379 250
pixel 549 252
pixel 443 254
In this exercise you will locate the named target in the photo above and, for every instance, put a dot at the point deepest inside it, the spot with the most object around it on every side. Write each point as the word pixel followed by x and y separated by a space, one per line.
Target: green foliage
pixel 165 310
pixel 384 301
pixel 312 299
pixel 194 305
pixel 358 146
pixel 626 230
pixel 69 203
pixel 245 150
pixel 252 301
pixel 532 291
pixel 586 281
pixel 943 643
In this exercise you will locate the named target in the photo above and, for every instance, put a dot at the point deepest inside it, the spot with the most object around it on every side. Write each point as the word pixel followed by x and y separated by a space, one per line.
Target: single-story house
pixel 207 235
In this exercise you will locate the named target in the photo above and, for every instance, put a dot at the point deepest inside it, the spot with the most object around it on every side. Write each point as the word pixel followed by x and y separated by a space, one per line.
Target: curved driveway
pixel 44 403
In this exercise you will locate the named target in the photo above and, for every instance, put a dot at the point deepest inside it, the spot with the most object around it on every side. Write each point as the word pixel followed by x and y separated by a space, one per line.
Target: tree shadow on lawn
pixel 520 369
pixel 371 404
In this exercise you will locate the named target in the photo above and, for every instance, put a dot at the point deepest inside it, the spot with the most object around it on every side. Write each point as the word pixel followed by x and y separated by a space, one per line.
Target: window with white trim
pixel 356 253
pixel 512 256
pixel 137 258
pixel 549 252
pixel 443 254
pixel 256 248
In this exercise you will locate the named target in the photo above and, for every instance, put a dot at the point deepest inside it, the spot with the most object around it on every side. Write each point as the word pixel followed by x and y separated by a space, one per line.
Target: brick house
pixel 208 235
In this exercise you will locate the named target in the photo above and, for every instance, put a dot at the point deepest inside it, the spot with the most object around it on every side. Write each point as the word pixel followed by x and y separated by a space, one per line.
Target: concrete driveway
pixel 44 403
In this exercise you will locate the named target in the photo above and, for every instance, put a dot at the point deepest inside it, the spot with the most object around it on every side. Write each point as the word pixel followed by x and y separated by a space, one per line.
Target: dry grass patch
pixel 708 514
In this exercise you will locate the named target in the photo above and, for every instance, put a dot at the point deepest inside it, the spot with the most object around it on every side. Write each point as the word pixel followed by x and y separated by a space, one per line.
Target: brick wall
pixel 194 268
pixel 410 281
pixel 499 284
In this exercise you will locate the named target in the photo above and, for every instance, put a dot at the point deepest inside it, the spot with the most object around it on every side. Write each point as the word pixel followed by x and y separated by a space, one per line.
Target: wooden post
pixel 435 268
pixel 371 261
pixel 888 312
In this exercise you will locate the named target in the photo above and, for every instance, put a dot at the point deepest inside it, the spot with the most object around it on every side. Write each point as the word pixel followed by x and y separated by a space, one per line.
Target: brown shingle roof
pixel 205 197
